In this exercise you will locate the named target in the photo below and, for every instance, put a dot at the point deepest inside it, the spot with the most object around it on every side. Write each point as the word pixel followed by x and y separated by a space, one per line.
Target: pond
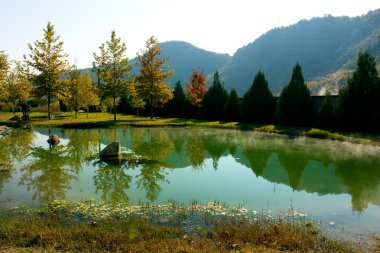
pixel 333 182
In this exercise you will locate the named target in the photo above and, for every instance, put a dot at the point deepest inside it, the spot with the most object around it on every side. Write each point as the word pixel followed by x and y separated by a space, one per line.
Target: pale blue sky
pixel 216 25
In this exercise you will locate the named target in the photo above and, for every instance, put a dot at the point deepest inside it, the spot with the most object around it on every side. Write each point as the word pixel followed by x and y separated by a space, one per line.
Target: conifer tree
pixel 175 106
pixel 294 106
pixel 359 101
pixel 258 103
pixel 48 63
pixel 214 100
pixel 153 71
pixel 326 113
pixel 232 108
pixel 112 69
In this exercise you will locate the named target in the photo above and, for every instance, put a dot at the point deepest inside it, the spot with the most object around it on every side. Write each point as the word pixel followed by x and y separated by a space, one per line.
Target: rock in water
pixel 53 139
pixel 113 149
pixel 4 128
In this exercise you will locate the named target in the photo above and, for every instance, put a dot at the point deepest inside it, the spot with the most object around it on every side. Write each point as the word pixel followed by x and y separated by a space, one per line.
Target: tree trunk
pixel 151 111
pixel 76 114
pixel 49 106
pixel 87 110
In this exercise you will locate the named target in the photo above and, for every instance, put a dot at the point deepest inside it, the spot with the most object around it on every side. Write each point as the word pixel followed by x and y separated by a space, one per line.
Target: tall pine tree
pixel 175 107
pixel 232 107
pixel 215 99
pixel 294 106
pixel 359 101
pixel 258 104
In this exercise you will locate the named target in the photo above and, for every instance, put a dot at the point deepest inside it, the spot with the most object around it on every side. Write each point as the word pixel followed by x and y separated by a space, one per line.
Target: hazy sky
pixel 216 25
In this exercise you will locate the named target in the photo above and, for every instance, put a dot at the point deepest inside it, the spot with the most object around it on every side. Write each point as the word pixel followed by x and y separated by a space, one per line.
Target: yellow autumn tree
pixel 17 85
pixel 153 71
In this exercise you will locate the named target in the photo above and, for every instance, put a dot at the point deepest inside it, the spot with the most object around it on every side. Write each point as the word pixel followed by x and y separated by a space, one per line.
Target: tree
pixel 153 72
pixel 70 93
pixel 359 101
pixel 88 91
pixel 136 100
pixel 294 106
pixel 48 63
pixel 112 69
pixel 17 86
pixel 326 113
pixel 175 106
pixel 4 67
pixel 214 99
pixel 196 89
pixel 232 108
pixel 258 103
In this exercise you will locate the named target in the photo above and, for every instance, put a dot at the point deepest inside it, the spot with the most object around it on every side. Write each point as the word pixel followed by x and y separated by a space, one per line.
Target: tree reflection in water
pixel 14 146
pixel 112 180
pixel 155 145
pixel 49 174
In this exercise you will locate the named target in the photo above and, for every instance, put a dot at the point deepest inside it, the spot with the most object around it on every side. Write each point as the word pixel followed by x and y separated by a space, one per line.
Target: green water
pixel 330 181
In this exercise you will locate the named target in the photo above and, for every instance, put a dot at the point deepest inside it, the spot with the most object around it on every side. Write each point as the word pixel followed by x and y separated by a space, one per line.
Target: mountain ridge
pixel 325 47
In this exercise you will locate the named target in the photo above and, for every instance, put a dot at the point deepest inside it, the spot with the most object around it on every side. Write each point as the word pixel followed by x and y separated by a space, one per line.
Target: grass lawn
pixel 99 120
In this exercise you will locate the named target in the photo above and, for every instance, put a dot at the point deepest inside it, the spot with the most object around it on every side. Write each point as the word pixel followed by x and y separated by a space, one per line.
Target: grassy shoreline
pixel 90 227
pixel 102 120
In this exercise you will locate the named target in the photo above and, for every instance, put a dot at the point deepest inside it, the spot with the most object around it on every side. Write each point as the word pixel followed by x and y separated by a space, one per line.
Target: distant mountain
pixel 326 48
pixel 183 59
pixel 322 46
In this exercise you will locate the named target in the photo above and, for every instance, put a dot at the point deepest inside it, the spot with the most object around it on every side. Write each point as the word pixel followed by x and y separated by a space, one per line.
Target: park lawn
pixel 100 120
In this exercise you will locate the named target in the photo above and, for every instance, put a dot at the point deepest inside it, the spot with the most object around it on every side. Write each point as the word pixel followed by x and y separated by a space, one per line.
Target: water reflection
pixel 111 179
pixel 152 155
pixel 49 173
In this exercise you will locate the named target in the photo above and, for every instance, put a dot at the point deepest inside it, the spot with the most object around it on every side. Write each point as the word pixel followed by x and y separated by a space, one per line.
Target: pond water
pixel 332 182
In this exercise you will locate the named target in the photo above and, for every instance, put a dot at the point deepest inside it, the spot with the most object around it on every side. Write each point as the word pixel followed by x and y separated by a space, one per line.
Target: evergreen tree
pixel 214 100
pixel 258 103
pixel 153 72
pixel 326 113
pixel 112 69
pixel 294 106
pixel 175 106
pixel 48 61
pixel 359 101
pixel 232 108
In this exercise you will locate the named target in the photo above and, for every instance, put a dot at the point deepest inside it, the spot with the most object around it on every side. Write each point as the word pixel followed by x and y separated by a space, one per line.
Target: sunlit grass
pixel 100 120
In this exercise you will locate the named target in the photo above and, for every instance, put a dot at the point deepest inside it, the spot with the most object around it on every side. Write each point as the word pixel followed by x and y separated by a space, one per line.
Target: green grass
pixel 168 228
pixel 101 120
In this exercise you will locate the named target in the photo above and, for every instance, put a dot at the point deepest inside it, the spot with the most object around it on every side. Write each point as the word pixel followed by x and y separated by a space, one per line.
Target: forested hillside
pixel 321 46
pixel 326 48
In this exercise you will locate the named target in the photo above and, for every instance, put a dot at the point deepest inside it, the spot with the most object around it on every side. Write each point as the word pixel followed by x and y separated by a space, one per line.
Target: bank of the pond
pixel 103 120
pixel 97 227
